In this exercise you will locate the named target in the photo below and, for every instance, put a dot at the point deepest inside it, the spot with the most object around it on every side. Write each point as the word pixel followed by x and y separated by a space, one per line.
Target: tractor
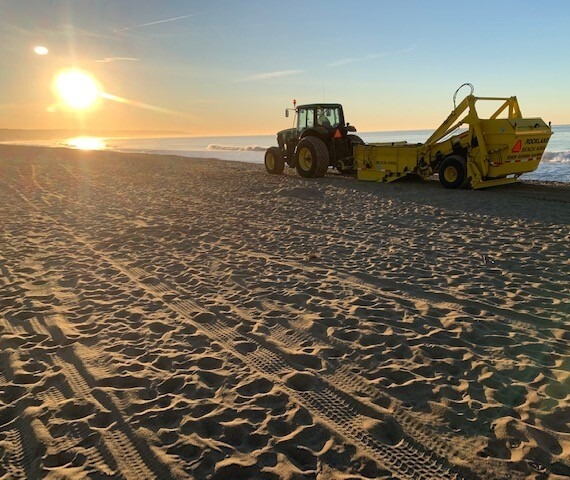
pixel 320 140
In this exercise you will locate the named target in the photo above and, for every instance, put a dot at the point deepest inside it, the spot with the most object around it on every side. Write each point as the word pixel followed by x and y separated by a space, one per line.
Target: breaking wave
pixel 246 148
pixel 556 157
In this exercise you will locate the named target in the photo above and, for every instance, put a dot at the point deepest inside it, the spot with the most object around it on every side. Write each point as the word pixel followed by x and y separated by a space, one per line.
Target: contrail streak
pixel 158 21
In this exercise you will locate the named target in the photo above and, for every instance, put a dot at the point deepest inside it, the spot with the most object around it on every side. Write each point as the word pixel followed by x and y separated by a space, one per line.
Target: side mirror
pixel 350 128
pixel 287 113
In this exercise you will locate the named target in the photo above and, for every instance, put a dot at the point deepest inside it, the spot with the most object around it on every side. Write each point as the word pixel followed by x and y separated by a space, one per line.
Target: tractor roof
pixel 323 105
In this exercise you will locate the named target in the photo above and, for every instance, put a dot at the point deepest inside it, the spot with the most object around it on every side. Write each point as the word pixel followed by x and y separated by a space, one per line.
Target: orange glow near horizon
pixel 78 90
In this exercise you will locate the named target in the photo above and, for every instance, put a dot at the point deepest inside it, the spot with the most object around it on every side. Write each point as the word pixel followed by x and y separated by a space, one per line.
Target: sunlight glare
pixel 77 89
pixel 40 50
pixel 86 143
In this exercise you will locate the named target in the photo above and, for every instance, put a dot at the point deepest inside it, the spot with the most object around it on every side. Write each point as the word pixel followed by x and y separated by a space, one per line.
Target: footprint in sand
pixel 301 381
pixel 255 387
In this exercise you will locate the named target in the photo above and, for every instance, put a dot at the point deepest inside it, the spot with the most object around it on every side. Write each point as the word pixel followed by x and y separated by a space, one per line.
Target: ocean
pixel 555 165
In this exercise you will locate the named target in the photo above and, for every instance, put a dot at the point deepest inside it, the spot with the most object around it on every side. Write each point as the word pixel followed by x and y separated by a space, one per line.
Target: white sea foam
pixel 556 157
pixel 246 148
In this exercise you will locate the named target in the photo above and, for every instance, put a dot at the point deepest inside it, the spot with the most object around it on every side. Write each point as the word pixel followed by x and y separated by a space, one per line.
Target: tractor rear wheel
pixel 453 172
pixel 274 162
pixel 312 158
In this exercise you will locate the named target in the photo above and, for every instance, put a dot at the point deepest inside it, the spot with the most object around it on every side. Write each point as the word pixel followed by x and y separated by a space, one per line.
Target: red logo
pixel 337 134
pixel 518 147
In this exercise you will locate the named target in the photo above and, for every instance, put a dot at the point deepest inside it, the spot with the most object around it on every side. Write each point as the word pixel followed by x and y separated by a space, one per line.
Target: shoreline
pixel 253 154
pixel 195 317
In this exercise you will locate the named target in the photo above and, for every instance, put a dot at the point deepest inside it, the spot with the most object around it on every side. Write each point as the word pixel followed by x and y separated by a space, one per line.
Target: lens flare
pixel 40 50
pixel 77 89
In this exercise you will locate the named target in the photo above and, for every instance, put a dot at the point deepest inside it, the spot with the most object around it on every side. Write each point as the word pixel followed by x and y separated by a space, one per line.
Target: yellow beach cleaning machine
pixel 484 153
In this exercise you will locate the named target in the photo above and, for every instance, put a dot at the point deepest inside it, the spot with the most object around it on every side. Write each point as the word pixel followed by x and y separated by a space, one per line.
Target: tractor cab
pixel 319 139
pixel 314 116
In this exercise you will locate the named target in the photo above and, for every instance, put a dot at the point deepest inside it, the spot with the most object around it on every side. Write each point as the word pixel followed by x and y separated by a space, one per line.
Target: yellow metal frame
pixel 491 157
pixel 451 123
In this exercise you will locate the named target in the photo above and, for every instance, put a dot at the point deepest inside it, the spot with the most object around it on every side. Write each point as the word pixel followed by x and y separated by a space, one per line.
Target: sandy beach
pixel 165 317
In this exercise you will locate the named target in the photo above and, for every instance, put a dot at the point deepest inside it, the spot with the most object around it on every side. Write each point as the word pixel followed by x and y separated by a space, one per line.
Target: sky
pixel 231 67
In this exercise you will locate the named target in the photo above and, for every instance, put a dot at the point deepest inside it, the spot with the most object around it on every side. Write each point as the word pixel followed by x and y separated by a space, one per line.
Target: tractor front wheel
pixel 274 162
pixel 312 158
pixel 453 172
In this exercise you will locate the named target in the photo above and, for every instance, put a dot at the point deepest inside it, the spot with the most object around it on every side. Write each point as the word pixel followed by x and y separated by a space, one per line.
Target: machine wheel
pixel 274 162
pixel 312 158
pixel 453 172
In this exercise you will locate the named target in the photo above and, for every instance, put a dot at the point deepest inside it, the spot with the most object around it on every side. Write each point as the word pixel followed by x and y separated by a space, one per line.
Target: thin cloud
pixel 116 59
pixel 346 61
pixel 167 20
pixel 7 30
pixel 269 75
pixel 146 106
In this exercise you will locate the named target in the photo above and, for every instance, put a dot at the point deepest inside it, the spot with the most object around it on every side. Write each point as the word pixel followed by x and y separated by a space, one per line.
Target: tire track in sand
pixel 98 433
pixel 335 408
pixel 344 414
pixel 391 288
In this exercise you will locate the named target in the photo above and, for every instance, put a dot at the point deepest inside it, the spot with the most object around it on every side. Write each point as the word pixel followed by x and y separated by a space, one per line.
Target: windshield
pixel 328 117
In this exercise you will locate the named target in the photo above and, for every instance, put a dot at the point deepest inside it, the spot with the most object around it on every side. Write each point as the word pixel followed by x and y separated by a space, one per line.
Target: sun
pixel 77 89
pixel 41 50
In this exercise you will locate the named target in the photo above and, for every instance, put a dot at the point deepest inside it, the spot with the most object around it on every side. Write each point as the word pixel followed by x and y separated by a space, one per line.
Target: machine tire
pixel 312 158
pixel 453 172
pixel 274 162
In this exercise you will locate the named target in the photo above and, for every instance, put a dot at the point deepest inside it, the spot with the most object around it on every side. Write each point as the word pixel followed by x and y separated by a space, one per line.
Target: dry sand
pixel 164 317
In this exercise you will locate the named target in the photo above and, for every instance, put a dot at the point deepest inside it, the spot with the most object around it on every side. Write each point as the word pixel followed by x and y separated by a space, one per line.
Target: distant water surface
pixel 555 165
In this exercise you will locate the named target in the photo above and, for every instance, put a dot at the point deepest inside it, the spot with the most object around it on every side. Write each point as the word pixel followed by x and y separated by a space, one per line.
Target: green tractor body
pixel 321 139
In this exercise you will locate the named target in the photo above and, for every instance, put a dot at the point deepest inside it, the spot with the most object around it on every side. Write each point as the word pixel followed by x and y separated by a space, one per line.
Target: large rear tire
pixel 453 172
pixel 274 162
pixel 312 158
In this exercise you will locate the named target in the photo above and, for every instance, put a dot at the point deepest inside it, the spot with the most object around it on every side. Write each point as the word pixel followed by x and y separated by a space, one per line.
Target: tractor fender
pixel 320 132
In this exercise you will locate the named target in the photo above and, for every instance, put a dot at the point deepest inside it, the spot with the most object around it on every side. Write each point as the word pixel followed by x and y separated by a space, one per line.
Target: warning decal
pixel 527 150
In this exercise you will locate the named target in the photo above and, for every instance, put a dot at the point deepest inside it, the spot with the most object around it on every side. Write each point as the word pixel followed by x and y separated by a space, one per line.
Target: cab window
pixel 328 117
pixel 333 116
pixel 305 119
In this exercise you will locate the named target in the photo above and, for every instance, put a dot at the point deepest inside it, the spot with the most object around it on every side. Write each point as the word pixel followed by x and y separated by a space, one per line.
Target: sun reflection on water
pixel 86 143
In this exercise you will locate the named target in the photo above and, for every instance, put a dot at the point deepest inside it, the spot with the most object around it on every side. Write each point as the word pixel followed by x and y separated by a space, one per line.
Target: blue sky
pixel 231 67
